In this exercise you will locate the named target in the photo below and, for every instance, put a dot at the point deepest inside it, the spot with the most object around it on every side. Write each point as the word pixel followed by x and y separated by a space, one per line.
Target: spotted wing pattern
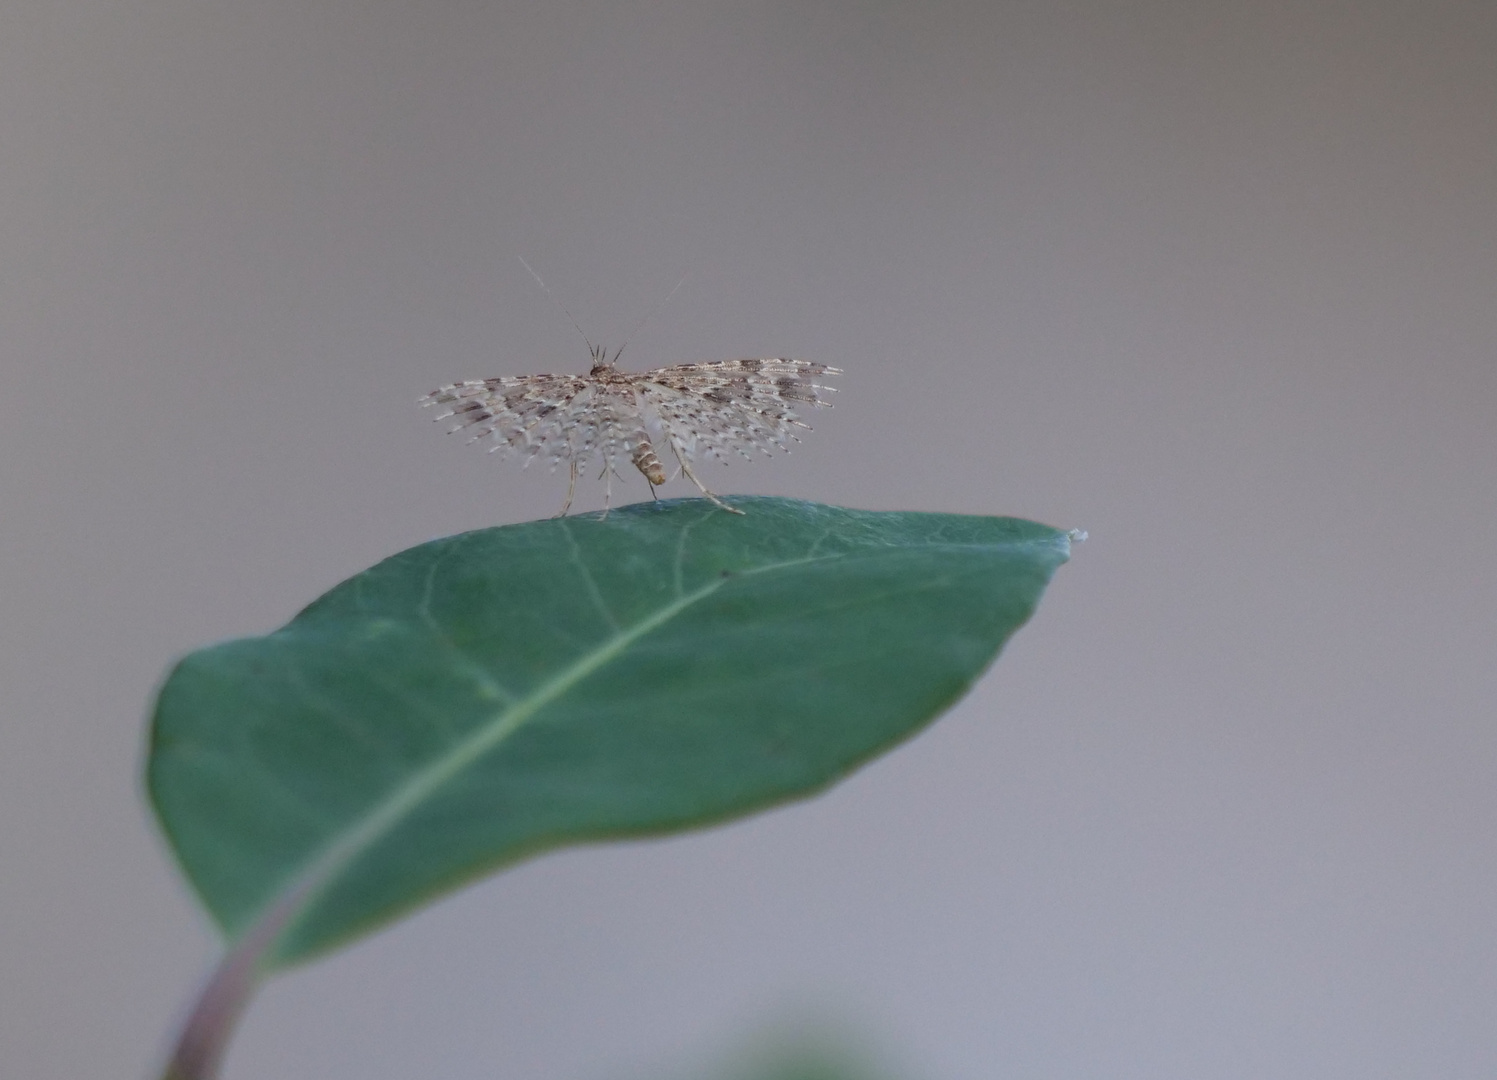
pixel 725 406
pixel 525 415
pixel 714 408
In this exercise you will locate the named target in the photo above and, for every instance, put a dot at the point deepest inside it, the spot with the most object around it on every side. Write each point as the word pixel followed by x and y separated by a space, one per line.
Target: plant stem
pixel 205 1036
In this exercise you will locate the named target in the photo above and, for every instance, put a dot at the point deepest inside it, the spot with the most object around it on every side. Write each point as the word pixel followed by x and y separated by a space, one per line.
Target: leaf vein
pixel 587 578
pixel 382 817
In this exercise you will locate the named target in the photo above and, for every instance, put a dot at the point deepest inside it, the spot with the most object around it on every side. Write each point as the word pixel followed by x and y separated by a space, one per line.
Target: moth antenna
pixel 650 315
pixel 559 304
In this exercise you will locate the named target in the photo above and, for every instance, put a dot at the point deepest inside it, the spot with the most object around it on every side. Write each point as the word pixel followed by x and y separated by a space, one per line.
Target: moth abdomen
pixel 646 462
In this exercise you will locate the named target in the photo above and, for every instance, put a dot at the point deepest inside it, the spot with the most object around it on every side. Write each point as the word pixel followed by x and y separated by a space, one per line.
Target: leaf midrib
pixel 303 889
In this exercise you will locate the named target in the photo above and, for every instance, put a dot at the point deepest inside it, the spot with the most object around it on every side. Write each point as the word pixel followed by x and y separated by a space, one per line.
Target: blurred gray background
pixel 1214 281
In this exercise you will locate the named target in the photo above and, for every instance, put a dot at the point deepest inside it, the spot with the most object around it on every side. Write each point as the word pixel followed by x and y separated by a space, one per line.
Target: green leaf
pixel 481 698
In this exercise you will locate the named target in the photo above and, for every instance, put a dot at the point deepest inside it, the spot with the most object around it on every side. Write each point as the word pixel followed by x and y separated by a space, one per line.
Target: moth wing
pixel 735 405
pixel 528 415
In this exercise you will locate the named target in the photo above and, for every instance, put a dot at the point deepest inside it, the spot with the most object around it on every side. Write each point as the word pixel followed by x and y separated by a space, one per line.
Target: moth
pixel 612 416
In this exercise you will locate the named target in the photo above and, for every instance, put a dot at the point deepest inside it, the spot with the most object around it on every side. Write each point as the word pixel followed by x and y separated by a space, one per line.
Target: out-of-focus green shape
pixel 800 1050
pixel 481 698
pixel 810 1063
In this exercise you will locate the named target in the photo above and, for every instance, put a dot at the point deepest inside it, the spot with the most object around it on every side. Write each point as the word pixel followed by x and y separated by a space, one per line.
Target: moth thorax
pixel 646 462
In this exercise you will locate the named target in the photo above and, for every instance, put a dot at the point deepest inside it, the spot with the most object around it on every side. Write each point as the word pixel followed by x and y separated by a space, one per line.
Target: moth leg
pixel 571 489
pixel 685 468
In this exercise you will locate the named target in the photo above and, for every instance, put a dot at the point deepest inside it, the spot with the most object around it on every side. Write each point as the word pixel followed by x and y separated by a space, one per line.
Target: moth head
pixel 601 363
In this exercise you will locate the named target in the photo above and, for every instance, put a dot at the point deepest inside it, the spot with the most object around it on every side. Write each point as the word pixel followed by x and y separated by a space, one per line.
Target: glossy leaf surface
pixel 484 697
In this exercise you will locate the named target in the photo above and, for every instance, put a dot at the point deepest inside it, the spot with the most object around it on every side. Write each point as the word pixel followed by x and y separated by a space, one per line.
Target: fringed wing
pixel 558 417
pixel 529 415
pixel 724 406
